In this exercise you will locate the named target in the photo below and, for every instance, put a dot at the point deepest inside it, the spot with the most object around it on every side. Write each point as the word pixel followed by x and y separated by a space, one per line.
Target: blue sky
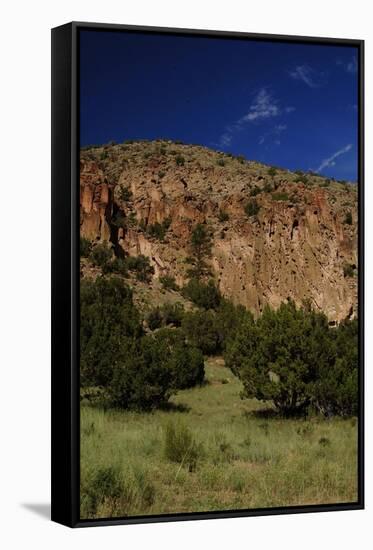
pixel 284 104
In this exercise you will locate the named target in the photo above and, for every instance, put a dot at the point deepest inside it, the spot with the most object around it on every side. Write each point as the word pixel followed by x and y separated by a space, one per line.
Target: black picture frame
pixel 65 275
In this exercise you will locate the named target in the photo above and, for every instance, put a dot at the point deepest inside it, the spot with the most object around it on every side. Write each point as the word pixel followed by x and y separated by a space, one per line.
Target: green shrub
pixel 154 319
pixel 302 178
pixel 180 446
pixel 348 219
pixel 184 360
pixel 142 379
pixel 117 265
pixel 202 331
pixel 168 314
pixel 106 484
pixel 168 282
pixel 101 254
pixel 85 247
pixel 252 208
pixel 272 171
pixel 229 318
pixel 255 191
pixel 159 230
pixel 223 216
pixel 280 196
pixel 200 247
pixel 180 161
pixel 325 183
pixel 125 194
pixel 276 357
pixel 268 188
pixel 205 295
pixel 141 266
pixel 348 270
pixel 108 318
pixel 336 388
pixel 292 357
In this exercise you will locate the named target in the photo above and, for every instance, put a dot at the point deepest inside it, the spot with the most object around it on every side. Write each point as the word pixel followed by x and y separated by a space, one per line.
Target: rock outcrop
pixel 301 244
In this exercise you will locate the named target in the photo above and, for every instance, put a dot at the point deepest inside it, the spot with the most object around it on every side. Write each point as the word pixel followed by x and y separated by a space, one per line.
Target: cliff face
pixel 297 245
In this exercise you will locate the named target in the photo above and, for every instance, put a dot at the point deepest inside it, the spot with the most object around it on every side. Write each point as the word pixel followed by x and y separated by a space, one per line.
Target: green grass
pixel 242 457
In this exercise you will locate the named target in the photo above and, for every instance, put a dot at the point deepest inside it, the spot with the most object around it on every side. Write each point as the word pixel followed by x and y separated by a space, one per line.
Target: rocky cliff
pixel 276 234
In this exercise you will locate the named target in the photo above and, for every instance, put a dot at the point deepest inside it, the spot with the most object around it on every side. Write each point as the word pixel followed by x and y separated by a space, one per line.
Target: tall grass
pixel 212 451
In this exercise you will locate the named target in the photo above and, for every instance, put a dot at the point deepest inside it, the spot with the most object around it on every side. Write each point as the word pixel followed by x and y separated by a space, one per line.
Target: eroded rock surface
pixel 297 246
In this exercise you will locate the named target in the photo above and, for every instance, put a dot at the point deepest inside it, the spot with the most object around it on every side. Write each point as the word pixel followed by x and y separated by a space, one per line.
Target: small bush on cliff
pixel 168 314
pixel 280 197
pixel 272 171
pixel 348 219
pixel 255 191
pixel 223 216
pixel 204 295
pixel 200 247
pixel 101 254
pixel 117 265
pixel 252 208
pixel 85 247
pixel 180 161
pixel 158 230
pixel 141 266
pixel 348 270
pixel 168 282
pixel 125 194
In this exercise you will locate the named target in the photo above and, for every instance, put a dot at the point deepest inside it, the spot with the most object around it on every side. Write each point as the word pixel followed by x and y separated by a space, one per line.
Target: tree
pixel 229 318
pixel 142 379
pixel 277 356
pixel 101 254
pixel 141 266
pixel 201 330
pixel 108 319
pixel 184 359
pixel 200 245
pixel 205 295
pixel 336 388
pixel 153 368
pixel 85 247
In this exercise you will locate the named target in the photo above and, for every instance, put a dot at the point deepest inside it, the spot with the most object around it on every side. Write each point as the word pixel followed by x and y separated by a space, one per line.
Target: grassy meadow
pixel 209 451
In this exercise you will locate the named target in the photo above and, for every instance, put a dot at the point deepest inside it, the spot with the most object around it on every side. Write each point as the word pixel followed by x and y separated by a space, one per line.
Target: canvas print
pixel 218 274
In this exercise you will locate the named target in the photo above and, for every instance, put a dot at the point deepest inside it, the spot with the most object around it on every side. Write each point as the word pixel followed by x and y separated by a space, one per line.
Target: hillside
pixel 276 234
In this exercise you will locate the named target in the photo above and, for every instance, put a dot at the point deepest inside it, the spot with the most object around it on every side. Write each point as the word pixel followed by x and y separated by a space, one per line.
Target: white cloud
pixel 307 75
pixel 331 160
pixel 351 66
pixel 263 107
pixel 273 134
